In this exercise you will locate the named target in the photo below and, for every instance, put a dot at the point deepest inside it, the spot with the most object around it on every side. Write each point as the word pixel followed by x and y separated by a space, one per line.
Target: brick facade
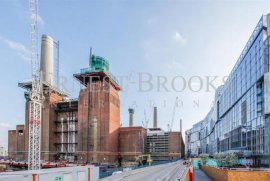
pixel 132 142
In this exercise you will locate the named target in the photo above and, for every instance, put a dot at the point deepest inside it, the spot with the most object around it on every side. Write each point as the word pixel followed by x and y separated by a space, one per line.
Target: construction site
pixel 109 103
pixel 87 129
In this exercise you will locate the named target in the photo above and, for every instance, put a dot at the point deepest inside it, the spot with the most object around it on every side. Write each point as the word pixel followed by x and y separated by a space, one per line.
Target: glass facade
pixel 195 146
pixel 239 120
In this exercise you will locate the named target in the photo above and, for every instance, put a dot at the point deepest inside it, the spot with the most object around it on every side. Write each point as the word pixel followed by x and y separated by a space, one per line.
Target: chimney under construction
pixel 131 113
pixel 155 118
pixel 47 59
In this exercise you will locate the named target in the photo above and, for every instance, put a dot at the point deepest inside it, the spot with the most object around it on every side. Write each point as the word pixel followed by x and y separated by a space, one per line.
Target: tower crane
pixel 170 125
pixel 36 93
pixel 146 119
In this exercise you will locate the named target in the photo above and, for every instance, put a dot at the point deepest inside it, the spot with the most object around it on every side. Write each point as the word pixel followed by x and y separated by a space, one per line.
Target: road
pixel 169 171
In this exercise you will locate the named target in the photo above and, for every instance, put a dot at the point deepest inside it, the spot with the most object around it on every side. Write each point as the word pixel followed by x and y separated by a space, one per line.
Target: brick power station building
pixel 87 128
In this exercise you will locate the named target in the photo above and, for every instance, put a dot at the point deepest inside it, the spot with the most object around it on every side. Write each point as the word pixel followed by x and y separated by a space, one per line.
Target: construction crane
pixel 170 125
pixel 146 120
pixel 36 93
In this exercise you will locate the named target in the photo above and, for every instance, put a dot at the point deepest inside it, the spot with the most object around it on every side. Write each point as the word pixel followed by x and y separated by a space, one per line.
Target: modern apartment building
pixel 239 121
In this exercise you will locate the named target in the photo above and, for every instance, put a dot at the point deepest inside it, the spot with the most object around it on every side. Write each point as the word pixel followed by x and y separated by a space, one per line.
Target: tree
pixel 231 159
pixel 219 157
pixel 204 158
pixel 226 160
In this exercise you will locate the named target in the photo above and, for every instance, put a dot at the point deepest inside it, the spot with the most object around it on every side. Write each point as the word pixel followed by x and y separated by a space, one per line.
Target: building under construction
pixel 164 145
pixel 87 128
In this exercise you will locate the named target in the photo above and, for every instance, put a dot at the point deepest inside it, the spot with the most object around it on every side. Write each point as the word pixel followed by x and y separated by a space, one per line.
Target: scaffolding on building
pixel 158 144
pixel 66 131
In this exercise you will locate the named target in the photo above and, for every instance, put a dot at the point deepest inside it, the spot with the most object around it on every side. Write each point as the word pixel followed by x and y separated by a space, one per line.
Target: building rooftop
pixel 46 86
pixel 132 128
pixel 155 131
pixel 98 67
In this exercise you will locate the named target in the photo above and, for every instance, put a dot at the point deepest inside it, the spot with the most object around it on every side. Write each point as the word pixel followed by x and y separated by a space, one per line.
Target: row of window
pixel 244 76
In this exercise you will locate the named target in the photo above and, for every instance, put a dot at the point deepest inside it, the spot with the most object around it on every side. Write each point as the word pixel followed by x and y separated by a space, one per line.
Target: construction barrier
pixel 81 173
pixel 188 174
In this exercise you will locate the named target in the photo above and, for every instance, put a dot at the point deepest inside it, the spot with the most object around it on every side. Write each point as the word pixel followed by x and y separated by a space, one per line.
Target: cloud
pixel 21 50
pixel 178 37
pixel 40 20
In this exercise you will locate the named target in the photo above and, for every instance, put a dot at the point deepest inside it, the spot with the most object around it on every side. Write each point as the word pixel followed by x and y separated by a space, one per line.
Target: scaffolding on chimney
pixel 66 131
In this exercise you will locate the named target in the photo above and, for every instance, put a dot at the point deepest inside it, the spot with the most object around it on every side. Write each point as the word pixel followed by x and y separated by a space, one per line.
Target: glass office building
pixel 239 122
pixel 195 146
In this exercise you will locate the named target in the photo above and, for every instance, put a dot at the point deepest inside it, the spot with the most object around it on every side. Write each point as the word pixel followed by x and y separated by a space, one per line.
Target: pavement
pixel 199 175
pixel 165 172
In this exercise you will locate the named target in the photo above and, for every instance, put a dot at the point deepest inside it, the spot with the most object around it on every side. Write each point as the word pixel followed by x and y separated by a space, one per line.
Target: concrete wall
pixel 233 175
pixel 81 173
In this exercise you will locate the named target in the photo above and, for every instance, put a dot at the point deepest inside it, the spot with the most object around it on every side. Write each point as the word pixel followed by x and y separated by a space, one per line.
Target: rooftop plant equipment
pixel 99 64
pixel 96 64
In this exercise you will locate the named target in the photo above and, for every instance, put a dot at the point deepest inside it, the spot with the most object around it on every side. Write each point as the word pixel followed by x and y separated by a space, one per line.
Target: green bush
pixel 226 160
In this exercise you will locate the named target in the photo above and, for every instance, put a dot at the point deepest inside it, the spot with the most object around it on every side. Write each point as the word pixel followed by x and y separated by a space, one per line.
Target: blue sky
pixel 160 38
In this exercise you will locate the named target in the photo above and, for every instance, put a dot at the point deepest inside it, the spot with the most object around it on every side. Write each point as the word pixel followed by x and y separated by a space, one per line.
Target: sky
pixel 181 44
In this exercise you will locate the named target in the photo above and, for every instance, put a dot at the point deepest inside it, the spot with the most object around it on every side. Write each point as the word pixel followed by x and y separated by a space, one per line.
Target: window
pixel 20 132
